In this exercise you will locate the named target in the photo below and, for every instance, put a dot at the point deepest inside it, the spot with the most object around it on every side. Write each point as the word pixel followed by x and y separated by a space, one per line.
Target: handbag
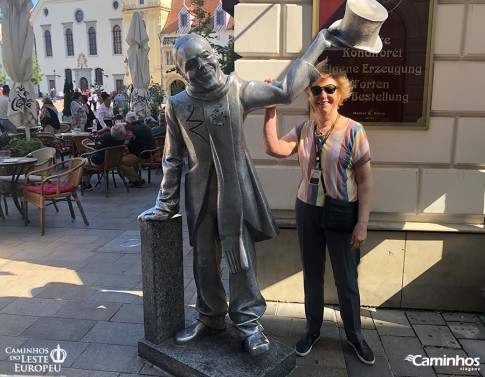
pixel 339 215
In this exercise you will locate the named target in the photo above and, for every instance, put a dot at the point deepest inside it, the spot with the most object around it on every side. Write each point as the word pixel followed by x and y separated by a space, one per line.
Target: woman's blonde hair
pixel 344 85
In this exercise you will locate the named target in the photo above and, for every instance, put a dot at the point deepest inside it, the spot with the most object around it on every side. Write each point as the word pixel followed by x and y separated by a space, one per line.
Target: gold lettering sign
pixel 392 87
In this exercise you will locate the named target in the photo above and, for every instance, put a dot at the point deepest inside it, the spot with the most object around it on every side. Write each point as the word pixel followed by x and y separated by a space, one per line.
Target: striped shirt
pixel 343 151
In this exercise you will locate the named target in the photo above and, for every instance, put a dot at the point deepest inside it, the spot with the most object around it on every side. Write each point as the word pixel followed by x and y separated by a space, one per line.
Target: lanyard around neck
pixel 319 142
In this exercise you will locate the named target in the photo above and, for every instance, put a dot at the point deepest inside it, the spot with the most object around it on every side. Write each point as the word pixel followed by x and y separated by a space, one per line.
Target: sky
pixel 34 2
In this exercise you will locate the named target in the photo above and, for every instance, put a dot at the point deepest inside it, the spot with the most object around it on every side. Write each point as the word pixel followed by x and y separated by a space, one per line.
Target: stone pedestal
pixel 163 278
pixel 220 355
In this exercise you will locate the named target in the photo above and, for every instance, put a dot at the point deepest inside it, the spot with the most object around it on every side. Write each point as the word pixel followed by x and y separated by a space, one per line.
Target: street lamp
pixel 55 73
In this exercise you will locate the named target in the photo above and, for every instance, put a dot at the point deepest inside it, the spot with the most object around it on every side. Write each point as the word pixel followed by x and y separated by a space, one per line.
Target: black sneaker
pixel 304 346
pixel 363 352
pixel 138 184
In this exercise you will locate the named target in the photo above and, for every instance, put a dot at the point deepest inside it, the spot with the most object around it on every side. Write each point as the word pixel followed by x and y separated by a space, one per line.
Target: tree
pixel 37 75
pixel 3 78
pixel 68 92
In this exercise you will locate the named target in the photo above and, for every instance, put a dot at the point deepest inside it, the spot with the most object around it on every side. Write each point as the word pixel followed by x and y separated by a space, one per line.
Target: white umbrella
pixel 18 43
pixel 137 39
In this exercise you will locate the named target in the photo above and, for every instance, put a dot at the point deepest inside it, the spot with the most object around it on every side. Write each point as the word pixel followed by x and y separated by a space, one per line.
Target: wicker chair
pixel 150 159
pixel 160 141
pixel 112 162
pixel 65 127
pixel 55 187
pixel 79 147
pixel 63 147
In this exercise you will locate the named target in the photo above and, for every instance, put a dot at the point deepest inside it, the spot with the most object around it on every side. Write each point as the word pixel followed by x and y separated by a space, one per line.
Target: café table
pixel 15 167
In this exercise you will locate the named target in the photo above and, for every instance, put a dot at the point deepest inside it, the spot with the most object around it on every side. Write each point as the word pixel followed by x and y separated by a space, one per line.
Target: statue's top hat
pixel 360 26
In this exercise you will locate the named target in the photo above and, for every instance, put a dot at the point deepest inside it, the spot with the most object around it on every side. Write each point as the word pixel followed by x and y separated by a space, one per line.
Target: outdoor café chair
pixel 150 159
pixel 112 163
pixel 56 187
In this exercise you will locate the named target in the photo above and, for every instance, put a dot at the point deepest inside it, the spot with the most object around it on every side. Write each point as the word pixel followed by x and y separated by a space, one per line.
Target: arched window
pixel 93 49
pixel 68 75
pixel 98 76
pixel 117 40
pixel 69 43
pixel 48 43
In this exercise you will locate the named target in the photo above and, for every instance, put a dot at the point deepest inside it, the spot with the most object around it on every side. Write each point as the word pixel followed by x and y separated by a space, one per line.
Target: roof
pixel 171 26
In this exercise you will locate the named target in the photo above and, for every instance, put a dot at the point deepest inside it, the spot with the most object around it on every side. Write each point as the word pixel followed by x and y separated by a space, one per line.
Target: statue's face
pixel 198 63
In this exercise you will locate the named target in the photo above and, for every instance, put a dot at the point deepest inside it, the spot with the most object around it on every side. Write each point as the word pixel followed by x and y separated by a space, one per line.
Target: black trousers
pixel 313 241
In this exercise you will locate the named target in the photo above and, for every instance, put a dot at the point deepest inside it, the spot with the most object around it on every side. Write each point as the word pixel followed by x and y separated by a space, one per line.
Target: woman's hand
pixel 359 236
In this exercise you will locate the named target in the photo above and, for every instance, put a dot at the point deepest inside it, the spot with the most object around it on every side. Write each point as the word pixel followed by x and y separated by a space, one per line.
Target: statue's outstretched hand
pixel 154 214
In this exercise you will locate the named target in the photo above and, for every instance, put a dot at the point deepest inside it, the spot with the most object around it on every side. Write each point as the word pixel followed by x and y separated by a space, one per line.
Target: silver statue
pixel 226 207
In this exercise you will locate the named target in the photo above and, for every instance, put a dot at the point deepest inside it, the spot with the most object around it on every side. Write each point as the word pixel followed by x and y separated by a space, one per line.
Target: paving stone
pixel 115 333
pixel 440 336
pixel 482 318
pixel 4 301
pixel 276 325
pixel 59 329
pixel 129 313
pixel 318 371
pixel 291 310
pixel 365 319
pixel 460 317
pixel 41 307
pixel 113 296
pixel 73 349
pixel 118 281
pixel 467 330
pixel 397 348
pixel 435 352
pixel 70 372
pixel 355 368
pixel 152 370
pixel 271 306
pixel 329 313
pixel 474 348
pixel 64 291
pixel 7 368
pixel 14 325
pixel 97 311
pixel 425 318
pixel 392 322
pixel 9 341
pixel 109 357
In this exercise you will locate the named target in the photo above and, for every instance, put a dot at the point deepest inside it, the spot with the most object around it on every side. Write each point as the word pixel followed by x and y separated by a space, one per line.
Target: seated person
pixel 116 136
pixel 141 139
pixel 161 128
pixel 49 117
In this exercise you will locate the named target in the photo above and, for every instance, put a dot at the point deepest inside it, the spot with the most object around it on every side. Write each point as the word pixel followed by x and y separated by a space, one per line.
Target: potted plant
pixel 22 147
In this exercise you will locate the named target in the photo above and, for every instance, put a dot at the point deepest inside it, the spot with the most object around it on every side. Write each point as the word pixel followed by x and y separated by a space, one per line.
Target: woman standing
pixel 105 113
pixel 49 117
pixel 78 112
pixel 334 158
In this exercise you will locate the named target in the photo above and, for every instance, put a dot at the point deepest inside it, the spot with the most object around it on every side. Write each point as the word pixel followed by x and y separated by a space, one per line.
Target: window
pixel 46 12
pixel 168 58
pixel 68 75
pixel 69 42
pixel 93 49
pixel 220 18
pixel 183 20
pixel 117 40
pixel 115 5
pixel 79 16
pixel 142 2
pixel 48 43
pixel 98 76
pixel 119 85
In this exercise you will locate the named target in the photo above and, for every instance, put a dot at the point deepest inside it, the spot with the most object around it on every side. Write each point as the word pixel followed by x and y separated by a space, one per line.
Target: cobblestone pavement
pixel 79 287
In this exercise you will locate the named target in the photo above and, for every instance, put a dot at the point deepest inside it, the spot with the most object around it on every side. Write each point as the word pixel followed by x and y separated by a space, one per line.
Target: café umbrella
pixel 137 39
pixel 18 44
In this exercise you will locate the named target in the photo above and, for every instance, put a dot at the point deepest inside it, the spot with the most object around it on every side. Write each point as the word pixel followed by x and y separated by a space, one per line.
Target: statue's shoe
pixel 256 344
pixel 194 332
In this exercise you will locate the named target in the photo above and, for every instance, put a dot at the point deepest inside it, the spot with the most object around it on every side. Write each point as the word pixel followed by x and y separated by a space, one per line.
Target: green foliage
pixel 98 89
pixel 155 97
pixel 4 140
pixel 177 87
pixel 3 78
pixel 37 75
pixel 202 26
pixel 68 92
pixel 23 147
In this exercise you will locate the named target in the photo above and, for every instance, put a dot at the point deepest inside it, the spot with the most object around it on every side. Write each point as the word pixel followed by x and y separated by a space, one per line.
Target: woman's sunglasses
pixel 317 90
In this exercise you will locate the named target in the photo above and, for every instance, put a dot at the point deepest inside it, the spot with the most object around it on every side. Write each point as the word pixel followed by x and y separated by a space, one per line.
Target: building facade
pixel 426 242
pixel 81 41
